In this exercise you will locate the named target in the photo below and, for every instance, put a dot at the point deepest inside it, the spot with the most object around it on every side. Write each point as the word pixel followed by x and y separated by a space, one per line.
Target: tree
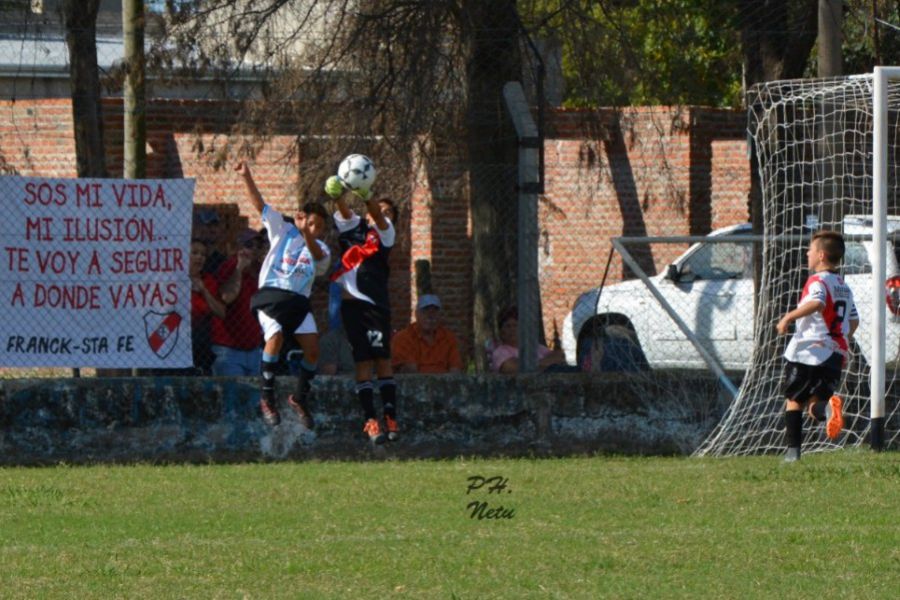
pixel 80 22
pixel 777 37
pixel 644 52
pixel 490 36
pixel 867 42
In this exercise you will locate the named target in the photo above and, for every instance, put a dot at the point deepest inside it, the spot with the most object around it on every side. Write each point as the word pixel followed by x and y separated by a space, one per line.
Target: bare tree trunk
pixel 80 18
pixel 135 125
pixel 492 33
pixel 776 42
pixel 830 20
pixel 830 140
pixel 777 38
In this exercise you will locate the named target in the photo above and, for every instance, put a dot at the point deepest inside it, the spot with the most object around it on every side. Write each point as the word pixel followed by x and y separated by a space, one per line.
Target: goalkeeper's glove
pixel 334 187
pixel 363 195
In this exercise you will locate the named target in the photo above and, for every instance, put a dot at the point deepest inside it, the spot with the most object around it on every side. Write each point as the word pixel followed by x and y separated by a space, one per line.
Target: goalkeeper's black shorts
pixel 368 329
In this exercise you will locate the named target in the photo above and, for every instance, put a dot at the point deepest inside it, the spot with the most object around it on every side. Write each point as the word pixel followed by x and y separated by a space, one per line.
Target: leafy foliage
pixel 644 52
pixel 860 50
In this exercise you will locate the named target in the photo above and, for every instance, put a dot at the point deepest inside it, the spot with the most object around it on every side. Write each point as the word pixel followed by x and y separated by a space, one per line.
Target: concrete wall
pixel 45 421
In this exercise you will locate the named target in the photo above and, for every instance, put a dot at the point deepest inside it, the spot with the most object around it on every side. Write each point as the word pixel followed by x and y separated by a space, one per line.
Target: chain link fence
pixel 653 171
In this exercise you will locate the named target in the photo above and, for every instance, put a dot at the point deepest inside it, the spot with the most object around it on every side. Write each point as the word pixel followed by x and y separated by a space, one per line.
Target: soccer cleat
pixel 393 430
pixel 836 419
pixel 302 411
pixel 269 413
pixel 373 430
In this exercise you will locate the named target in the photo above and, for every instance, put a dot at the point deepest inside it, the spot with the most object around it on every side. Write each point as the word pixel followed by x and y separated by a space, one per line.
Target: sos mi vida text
pixel 99 260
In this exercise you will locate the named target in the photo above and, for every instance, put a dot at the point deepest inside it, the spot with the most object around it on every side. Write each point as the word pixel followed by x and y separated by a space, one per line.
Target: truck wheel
pixel 610 348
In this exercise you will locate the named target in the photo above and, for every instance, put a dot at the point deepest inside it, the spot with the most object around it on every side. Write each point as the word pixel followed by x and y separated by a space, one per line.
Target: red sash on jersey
pixel 833 321
pixel 355 255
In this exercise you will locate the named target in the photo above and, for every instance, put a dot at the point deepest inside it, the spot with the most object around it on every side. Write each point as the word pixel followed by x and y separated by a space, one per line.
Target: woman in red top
pixel 237 338
pixel 204 304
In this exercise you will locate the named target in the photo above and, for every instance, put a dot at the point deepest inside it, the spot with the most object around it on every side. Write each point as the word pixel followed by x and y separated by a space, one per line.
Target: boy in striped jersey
pixel 826 318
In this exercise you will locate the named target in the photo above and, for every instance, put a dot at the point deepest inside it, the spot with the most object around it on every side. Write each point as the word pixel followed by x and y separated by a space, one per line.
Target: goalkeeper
pixel 365 308
pixel 826 318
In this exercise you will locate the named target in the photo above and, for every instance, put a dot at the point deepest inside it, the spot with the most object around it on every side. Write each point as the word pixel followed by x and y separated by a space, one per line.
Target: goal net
pixel 813 141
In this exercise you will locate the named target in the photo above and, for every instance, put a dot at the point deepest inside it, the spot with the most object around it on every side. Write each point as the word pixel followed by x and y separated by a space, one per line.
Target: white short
pixel 270 326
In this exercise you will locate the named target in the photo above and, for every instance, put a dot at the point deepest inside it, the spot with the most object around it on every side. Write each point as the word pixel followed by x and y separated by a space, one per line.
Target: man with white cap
pixel 426 346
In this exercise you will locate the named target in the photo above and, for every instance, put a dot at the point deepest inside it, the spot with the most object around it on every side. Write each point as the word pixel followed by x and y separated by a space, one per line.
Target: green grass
pixel 583 528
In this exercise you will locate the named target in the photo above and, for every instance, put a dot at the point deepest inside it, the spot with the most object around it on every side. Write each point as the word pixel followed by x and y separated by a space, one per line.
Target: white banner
pixel 95 272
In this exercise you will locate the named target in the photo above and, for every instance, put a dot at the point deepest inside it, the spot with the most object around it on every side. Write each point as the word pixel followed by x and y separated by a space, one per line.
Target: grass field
pixel 580 528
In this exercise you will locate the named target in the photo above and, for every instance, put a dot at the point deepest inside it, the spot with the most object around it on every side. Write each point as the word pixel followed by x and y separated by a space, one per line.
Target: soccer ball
pixel 357 172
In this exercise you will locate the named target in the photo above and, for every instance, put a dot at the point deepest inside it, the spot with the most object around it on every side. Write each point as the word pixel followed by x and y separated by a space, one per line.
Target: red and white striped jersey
pixel 821 334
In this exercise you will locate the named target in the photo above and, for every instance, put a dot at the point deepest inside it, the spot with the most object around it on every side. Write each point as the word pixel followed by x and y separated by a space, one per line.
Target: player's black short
pixel 286 307
pixel 368 329
pixel 802 381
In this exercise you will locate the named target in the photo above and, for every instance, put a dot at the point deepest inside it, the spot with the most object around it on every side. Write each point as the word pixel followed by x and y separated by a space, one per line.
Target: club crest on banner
pixel 162 331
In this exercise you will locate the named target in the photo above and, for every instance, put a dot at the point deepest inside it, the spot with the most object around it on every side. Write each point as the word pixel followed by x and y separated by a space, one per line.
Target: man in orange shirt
pixel 426 346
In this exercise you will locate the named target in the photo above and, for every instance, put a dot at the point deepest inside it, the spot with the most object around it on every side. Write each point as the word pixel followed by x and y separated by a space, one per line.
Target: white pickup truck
pixel 622 327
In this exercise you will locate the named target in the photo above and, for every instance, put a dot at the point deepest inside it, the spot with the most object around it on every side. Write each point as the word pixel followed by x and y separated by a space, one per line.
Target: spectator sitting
pixel 335 351
pixel 236 338
pixel 505 356
pixel 426 346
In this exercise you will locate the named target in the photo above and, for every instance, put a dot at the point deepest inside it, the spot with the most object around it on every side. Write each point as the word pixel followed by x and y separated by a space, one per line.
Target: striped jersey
pixel 289 265
pixel 363 271
pixel 821 334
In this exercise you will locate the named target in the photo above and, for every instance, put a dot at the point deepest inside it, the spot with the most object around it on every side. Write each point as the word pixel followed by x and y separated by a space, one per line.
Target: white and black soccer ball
pixel 357 172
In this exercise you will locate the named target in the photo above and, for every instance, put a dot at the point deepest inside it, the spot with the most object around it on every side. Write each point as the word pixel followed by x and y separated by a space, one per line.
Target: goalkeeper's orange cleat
pixel 373 430
pixel 835 422
pixel 393 429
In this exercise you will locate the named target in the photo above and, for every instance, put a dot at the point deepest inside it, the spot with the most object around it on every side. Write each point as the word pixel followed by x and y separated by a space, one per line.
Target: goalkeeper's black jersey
pixel 363 271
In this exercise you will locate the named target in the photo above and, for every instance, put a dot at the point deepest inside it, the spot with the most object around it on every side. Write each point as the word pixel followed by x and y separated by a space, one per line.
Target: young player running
pixel 365 310
pixel 296 255
pixel 826 318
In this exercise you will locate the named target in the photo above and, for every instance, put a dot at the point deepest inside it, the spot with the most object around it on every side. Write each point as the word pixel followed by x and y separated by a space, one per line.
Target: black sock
pixel 793 428
pixel 365 393
pixel 818 410
pixel 267 384
pixel 387 388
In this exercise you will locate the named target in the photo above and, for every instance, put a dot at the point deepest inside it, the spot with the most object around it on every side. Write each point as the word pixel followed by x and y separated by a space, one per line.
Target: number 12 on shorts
pixel 375 339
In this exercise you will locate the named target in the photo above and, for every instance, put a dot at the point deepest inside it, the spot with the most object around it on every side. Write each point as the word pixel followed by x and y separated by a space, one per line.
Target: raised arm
pixel 374 209
pixel 256 198
pixel 312 242
pixel 231 288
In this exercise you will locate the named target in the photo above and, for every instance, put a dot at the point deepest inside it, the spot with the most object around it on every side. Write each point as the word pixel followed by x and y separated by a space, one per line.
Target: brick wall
pixel 440 233
pixel 637 171
pixel 633 172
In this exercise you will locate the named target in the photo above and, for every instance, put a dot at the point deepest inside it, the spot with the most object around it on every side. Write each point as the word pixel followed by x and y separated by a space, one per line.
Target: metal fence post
pixel 527 289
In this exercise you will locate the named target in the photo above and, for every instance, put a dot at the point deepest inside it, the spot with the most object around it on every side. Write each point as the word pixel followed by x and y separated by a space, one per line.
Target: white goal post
pixel 879 235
